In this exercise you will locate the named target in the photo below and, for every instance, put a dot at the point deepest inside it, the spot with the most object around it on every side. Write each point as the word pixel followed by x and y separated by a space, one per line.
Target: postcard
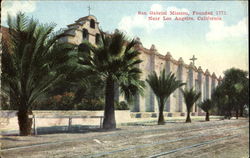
pixel 124 78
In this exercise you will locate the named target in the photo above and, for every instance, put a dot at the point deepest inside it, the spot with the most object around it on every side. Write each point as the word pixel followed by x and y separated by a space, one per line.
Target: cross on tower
pixel 89 9
pixel 193 59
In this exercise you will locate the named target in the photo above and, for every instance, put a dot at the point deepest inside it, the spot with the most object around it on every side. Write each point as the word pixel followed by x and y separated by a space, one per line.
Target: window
pixel 92 23
pixel 97 38
pixel 85 34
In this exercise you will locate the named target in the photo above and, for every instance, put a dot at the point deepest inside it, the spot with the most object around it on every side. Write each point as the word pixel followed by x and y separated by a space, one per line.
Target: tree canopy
pixel 115 61
pixel 33 60
pixel 232 95
pixel 163 86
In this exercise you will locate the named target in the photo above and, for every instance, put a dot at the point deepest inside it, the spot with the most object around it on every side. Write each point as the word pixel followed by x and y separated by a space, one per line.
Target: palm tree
pixel 206 106
pixel 32 61
pixel 163 86
pixel 114 61
pixel 190 97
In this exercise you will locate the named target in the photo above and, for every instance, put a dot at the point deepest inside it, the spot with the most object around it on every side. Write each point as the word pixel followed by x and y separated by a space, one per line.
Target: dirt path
pixel 137 141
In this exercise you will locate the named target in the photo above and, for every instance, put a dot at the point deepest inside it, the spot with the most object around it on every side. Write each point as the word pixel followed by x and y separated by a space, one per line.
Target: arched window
pixel 85 34
pixel 92 23
pixel 97 38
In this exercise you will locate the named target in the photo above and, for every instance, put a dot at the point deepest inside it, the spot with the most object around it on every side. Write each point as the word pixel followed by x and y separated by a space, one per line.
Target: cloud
pixel 128 23
pixel 219 31
pixel 13 7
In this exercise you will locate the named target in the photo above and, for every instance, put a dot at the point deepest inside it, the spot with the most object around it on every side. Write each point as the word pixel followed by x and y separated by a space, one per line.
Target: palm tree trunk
pixel 207 116
pixel 229 114
pixel 109 111
pixel 237 114
pixel 161 120
pixel 241 111
pixel 188 120
pixel 25 123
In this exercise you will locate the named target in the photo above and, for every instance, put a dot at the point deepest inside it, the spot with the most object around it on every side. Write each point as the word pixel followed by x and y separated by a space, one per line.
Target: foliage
pixel 220 100
pixel 92 104
pixel 163 86
pixel 84 85
pixel 5 103
pixel 58 102
pixel 123 105
pixel 190 97
pixel 232 94
pixel 32 61
pixel 110 60
pixel 114 60
pixel 206 106
pixel 66 102
pixel 93 91
pixel 88 92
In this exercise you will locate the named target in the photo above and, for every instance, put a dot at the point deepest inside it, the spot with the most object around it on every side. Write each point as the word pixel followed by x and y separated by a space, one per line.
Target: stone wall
pixel 193 77
pixel 8 119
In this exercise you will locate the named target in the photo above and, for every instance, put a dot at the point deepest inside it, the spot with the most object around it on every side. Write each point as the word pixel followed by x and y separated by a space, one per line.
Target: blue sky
pixel 217 45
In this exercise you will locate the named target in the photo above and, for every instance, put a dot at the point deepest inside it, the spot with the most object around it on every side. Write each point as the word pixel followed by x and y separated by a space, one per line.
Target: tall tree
pixel 220 100
pixel 32 61
pixel 115 61
pixel 190 97
pixel 163 86
pixel 235 86
pixel 206 106
pixel 244 98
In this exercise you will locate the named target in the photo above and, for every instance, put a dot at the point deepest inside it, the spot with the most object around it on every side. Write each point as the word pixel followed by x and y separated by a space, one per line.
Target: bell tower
pixel 83 29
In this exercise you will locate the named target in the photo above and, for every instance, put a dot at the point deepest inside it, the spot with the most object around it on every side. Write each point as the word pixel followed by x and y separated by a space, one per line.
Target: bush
pixel 121 106
pixel 59 102
pixel 5 104
pixel 66 102
pixel 90 104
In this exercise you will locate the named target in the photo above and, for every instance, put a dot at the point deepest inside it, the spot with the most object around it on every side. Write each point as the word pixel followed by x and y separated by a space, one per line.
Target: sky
pixel 218 44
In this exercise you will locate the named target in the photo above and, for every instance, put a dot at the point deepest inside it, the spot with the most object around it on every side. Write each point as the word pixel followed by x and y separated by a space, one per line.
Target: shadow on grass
pixel 43 131
pixel 174 121
pixel 10 139
pixel 149 123
pixel 75 129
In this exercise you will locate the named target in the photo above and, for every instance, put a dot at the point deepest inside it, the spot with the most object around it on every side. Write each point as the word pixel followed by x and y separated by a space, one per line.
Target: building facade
pixel 87 28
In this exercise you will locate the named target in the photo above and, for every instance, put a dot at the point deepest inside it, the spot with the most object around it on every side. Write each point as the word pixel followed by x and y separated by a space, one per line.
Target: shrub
pixel 58 102
pixel 5 104
pixel 90 104
pixel 121 106
pixel 66 103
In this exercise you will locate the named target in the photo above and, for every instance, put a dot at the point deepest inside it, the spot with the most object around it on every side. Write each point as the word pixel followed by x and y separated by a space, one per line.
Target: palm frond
pixel 163 85
pixel 206 105
pixel 117 43
pixel 34 60
pixel 190 97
